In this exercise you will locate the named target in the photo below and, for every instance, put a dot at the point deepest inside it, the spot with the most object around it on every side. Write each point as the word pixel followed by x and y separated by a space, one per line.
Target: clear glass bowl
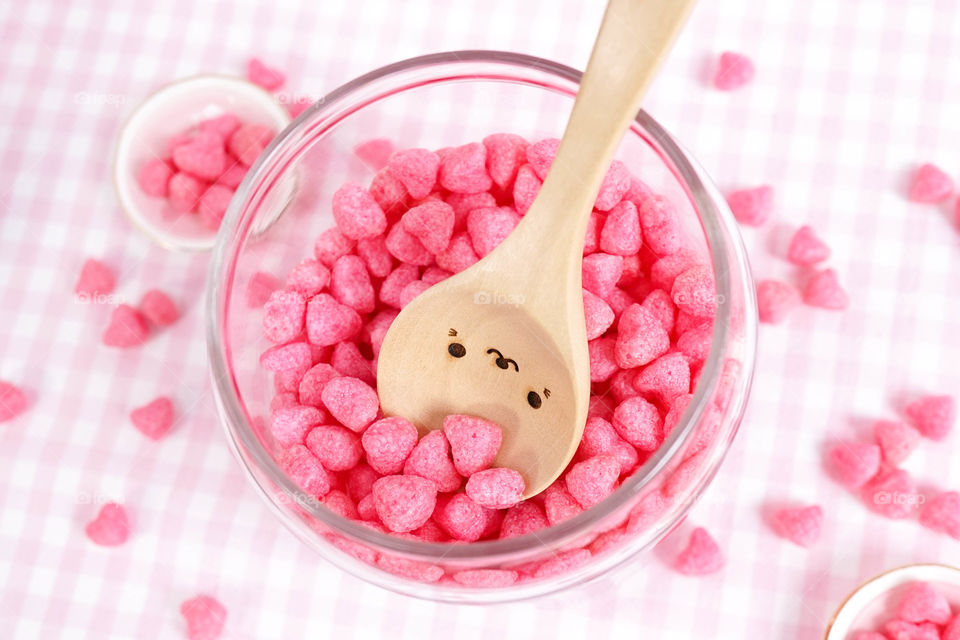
pixel 435 101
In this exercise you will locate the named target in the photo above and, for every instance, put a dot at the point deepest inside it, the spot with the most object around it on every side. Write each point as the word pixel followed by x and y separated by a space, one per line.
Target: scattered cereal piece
pixel 592 480
pixel 752 206
pixel 930 184
pixel 268 78
pixel 892 494
pixel 800 525
pixel 933 415
pixel 110 528
pixel 701 556
pixel 806 248
pixel 942 513
pixel 640 339
pixel 854 463
pixel 734 70
pixel 474 442
pixel 127 328
pixel 13 401
pixel 896 439
pixel 775 300
pixel 923 603
pixel 158 308
pixel 558 504
pixel 96 278
pixel 154 419
pixel 416 169
pixel 204 616
pixel 497 488
pixel 616 183
pixel 404 503
pixel 430 459
pixel 351 401
pixel 337 448
pixel 356 212
pixel 387 443
pixel 824 291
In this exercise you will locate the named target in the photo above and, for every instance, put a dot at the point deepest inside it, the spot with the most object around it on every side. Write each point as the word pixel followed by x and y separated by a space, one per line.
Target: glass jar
pixel 283 204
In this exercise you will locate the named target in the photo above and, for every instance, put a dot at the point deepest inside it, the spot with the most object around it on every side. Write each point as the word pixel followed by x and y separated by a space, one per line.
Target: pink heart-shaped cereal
pixel 806 248
pixel 930 184
pixel 154 419
pixel 203 156
pixel 110 528
pixel 127 328
pixel 734 70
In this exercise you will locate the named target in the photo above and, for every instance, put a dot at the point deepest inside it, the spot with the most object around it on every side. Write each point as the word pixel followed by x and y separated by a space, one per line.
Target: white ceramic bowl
pixel 170 110
pixel 873 602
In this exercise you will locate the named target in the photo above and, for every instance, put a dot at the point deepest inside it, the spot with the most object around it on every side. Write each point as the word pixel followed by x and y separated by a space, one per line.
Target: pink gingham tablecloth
pixel 849 95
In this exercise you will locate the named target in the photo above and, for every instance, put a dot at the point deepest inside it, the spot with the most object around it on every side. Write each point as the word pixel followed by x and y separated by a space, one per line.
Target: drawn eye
pixel 533 399
pixel 457 350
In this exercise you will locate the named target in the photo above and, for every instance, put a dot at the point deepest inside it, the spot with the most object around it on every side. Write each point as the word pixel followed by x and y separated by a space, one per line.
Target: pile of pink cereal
pixel 649 308
pixel 923 614
pixel 203 166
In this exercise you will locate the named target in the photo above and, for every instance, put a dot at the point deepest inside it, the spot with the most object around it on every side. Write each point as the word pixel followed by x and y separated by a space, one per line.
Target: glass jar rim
pixel 445 66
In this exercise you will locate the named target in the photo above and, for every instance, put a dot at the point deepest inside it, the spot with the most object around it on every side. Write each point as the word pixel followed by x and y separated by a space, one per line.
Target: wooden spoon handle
pixel 634 39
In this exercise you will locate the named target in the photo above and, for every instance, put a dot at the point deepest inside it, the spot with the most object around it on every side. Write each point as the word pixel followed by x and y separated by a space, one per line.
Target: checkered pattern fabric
pixel 848 97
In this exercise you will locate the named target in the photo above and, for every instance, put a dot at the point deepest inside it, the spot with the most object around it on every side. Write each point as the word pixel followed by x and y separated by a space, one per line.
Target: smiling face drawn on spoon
pixel 490 363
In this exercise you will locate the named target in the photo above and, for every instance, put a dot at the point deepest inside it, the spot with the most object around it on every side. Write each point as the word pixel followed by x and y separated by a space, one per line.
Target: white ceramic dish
pixel 870 606
pixel 170 110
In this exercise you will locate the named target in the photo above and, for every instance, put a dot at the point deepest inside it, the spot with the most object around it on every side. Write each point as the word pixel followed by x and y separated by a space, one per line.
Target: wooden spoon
pixel 505 339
